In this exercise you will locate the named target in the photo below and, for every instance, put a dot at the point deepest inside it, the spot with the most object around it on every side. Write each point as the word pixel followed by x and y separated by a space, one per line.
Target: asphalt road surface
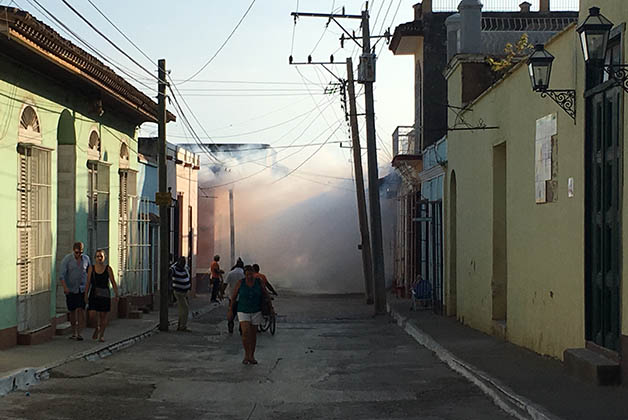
pixel 330 359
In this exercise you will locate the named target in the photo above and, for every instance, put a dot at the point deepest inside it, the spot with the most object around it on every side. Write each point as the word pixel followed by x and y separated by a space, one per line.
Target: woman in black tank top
pixel 97 294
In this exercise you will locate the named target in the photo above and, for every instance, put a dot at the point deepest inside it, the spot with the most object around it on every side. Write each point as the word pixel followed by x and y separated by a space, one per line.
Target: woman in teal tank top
pixel 248 295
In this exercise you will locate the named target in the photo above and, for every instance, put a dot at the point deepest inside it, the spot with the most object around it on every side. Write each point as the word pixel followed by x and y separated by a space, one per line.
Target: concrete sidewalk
pixel 22 366
pixel 523 383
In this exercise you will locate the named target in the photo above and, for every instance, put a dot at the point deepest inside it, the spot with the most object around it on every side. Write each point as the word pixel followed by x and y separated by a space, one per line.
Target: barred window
pixel 34 222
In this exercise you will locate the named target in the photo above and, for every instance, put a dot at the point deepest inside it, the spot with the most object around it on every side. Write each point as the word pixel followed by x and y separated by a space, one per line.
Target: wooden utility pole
pixel 232 225
pixel 366 71
pixel 367 263
pixel 368 59
pixel 164 205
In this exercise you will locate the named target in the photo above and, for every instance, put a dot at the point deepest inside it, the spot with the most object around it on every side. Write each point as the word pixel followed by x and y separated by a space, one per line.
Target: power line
pixel 120 32
pixel 309 157
pixel 221 47
pixel 65 28
pixel 91 25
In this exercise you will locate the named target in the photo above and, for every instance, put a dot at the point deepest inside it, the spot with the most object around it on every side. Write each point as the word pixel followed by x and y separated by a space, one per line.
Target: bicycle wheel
pixel 264 325
pixel 273 324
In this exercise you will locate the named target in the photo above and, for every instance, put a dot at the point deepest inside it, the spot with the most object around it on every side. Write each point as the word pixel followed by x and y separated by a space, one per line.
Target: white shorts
pixel 254 318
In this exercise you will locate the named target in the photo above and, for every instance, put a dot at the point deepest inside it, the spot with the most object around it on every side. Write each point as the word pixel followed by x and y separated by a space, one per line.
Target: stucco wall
pixel 545 242
pixel 18 86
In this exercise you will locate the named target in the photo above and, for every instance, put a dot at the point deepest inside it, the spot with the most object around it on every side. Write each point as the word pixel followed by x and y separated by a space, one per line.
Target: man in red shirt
pixel 215 276
pixel 263 279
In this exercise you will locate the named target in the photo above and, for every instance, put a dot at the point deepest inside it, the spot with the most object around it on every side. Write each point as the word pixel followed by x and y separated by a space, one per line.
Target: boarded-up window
pixel 34 222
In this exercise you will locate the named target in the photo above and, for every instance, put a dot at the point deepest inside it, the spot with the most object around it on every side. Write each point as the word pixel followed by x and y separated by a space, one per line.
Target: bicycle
pixel 268 324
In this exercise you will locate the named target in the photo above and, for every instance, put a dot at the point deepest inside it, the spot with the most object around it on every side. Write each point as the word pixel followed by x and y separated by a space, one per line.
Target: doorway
pixel 453 254
pixel 499 282
pixel 603 217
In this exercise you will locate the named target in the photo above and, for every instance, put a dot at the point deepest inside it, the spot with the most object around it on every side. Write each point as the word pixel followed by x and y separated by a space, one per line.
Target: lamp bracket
pixel 619 73
pixel 565 98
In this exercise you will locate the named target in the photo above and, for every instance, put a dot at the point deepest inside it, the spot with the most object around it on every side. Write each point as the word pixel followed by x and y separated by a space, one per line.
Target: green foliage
pixel 520 49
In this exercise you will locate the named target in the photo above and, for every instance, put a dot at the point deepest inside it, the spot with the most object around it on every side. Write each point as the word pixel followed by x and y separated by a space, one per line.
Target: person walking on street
pixel 97 293
pixel 264 280
pixel 233 277
pixel 181 284
pixel 215 276
pixel 249 294
pixel 73 276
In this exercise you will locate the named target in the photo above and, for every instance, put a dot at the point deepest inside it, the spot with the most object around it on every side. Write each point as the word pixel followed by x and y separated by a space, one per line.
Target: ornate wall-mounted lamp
pixel 540 69
pixel 594 34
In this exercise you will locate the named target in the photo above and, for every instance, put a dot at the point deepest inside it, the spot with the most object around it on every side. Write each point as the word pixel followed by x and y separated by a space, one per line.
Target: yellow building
pixel 534 202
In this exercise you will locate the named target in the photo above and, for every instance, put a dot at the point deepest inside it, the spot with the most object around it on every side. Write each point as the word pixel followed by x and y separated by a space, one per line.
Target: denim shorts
pixel 254 318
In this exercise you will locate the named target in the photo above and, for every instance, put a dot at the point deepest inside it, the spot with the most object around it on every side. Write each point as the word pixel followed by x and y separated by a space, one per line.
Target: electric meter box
pixel 366 68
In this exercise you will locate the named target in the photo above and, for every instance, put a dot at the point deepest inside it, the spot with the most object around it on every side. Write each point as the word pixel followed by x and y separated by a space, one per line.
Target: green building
pixel 68 147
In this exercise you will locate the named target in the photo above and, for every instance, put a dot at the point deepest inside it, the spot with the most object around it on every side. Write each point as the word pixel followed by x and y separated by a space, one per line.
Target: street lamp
pixel 540 70
pixel 594 34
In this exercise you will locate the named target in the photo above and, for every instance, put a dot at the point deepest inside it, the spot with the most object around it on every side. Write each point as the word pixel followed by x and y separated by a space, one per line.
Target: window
pixel 126 195
pixel 34 225
pixel 29 130
pixel 98 210
pixel 93 150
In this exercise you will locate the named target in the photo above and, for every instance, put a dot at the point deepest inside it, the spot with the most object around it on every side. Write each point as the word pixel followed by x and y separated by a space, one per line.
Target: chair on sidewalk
pixel 421 294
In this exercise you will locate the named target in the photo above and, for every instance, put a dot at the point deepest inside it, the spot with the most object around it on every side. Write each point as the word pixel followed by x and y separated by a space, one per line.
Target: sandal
pixel 101 340
pixel 245 362
pixel 95 335
pixel 253 361
pixel 72 337
pixel 79 338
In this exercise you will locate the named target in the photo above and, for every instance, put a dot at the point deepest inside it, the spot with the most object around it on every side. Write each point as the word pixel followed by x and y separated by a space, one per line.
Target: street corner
pixel 20 379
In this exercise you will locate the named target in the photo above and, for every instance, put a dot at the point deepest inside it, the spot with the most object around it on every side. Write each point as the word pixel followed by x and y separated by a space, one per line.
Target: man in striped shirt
pixel 181 284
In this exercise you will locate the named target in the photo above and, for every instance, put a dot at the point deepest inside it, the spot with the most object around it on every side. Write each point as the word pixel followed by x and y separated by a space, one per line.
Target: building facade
pixel 68 144
pixel 534 228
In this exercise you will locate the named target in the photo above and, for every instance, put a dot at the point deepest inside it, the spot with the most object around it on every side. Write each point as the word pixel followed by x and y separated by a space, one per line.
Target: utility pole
pixel 367 263
pixel 232 223
pixel 366 71
pixel 164 205
pixel 366 76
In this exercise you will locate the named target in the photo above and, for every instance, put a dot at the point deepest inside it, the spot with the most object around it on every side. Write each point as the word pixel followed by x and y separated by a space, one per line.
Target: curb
pixel 505 398
pixel 22 379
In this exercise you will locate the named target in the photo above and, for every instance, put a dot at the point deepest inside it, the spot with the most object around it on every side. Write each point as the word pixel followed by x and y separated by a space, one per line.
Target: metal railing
pixel 505 5
pixel 404 141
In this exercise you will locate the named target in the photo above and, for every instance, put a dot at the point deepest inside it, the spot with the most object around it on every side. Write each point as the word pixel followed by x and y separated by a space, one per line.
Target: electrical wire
pixel 105 58
pixel 113 44
pixel 308 158
pixel 221 47
pixel 120 31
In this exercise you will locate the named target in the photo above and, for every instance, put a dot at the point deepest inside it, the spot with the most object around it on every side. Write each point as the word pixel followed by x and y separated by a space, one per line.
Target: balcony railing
pixel 404 141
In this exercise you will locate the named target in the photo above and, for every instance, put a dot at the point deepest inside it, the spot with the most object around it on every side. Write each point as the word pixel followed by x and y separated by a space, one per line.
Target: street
pixel 328 360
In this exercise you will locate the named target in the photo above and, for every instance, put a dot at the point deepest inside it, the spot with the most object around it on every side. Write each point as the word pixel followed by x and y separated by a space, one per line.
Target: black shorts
pixel 75 301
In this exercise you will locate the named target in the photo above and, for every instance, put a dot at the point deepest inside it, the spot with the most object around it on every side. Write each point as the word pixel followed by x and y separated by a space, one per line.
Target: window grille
pixel 34 224
pixel 98 210
pixel 137 270
pixel 126 195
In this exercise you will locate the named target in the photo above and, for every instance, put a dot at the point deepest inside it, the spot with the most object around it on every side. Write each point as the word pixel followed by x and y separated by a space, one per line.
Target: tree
pixel 520 49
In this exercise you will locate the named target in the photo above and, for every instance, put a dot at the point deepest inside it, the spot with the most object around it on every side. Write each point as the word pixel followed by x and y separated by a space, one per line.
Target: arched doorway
pixel 453 253
pixel 66 194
